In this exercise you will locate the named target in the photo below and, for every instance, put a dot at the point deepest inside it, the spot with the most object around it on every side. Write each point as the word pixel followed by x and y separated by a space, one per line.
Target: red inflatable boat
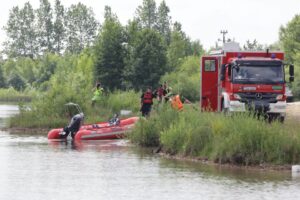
pixel 99 131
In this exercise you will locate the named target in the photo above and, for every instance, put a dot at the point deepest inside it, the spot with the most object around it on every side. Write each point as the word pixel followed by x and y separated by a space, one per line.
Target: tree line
pixel 56 29
pixel 130 56
pixel 138 54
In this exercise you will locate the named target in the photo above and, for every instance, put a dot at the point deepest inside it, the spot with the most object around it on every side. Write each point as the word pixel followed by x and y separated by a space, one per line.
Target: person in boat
pixel 73 127
pixel 147 102
pixel 115 121
pixel 98 93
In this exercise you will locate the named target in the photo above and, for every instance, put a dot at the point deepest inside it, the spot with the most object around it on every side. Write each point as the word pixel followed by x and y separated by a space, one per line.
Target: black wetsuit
pixel 73 126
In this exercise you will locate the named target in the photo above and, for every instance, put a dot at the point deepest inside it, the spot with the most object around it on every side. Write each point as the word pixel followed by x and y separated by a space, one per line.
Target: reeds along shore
pixel 11 95
pixel 49 112
pixel 238 139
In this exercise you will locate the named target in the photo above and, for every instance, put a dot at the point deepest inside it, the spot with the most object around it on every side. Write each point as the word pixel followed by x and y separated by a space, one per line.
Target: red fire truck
pixel 235 81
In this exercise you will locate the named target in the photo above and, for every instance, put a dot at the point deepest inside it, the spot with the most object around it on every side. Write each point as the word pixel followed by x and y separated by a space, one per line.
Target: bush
pixel 186 80
pixel 239 139
pixel 147 132
pixel 17 82
pixel 12 95
pixel 122 100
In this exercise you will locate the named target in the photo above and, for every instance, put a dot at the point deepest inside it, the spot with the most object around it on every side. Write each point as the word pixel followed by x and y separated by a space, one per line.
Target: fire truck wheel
pixel 281 119
pixel 274 117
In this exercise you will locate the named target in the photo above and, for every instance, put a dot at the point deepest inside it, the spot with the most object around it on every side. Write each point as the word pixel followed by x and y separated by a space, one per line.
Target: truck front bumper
pixel 279 107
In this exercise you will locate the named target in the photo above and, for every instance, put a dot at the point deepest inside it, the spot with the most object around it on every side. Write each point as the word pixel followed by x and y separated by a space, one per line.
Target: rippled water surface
pixel 33 168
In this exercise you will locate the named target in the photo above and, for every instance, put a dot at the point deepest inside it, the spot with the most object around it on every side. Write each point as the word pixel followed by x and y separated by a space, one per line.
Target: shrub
pixel 12 95
pixel 186 80
pixel 239 139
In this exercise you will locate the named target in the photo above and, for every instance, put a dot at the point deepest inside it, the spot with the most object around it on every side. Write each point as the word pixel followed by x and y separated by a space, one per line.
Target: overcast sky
pixel 201 19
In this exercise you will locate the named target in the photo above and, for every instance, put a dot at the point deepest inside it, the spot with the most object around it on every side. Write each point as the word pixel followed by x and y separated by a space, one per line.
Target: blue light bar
pixel 273 55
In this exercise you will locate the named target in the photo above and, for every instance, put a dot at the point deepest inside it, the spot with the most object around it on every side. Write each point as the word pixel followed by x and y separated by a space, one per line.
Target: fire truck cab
pixel 236 81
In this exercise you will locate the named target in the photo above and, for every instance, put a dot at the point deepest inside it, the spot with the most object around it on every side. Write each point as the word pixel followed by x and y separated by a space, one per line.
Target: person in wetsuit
pixel 73 126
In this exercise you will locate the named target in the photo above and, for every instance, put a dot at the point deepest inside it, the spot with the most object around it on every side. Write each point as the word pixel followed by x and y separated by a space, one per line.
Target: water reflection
pixel 81 146
pixel 209 170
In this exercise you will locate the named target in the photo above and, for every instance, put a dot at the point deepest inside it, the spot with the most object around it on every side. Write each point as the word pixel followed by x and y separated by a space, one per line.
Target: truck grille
pixel 251 96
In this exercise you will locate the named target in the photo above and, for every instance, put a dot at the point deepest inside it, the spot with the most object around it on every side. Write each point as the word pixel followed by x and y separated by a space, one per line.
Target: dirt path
pixel 293 111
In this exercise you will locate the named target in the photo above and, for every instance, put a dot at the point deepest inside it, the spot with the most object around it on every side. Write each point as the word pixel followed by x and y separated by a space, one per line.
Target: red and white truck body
pixel 234 81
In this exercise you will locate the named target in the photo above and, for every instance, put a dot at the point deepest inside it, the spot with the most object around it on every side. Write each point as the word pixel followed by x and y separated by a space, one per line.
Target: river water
pixel 31 168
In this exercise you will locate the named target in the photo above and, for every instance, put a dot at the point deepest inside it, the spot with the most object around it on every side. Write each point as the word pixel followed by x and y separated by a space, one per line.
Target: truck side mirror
pixel 223 71
pixel 291 73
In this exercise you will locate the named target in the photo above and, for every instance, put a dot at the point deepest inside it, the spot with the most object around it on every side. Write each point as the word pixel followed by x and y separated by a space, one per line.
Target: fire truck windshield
pixel 263 74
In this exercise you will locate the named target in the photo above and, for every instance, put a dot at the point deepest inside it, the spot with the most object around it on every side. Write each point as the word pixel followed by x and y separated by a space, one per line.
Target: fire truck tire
pixel 274 117
pixel 281 119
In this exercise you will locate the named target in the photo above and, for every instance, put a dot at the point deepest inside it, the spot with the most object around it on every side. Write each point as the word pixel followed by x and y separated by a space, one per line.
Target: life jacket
pixel 160 92
pixel 176 103
pixel 148 98
pixel 98 92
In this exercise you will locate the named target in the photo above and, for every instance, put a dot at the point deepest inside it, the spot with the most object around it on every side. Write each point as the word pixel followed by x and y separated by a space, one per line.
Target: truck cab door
pixel 209 83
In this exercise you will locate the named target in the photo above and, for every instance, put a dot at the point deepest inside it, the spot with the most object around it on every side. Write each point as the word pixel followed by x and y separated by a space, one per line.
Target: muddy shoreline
pixel 42 131
pixel 205 161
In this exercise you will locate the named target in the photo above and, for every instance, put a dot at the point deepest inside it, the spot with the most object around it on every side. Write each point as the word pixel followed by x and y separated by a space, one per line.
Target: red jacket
pixel 160 92
pixel 147 98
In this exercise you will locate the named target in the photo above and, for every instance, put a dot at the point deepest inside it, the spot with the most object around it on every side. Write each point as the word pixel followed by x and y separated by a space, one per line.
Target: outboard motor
pixel 75 123
pixel 74 126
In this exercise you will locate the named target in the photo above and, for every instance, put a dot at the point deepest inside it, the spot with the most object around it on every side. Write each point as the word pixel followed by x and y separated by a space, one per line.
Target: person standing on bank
pixel 98 93
pixel 160 93
pixel 146 102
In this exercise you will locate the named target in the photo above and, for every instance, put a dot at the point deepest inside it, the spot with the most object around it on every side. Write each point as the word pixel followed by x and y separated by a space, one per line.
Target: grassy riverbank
pixel 239 139
pixel 49 112
pixel 12 95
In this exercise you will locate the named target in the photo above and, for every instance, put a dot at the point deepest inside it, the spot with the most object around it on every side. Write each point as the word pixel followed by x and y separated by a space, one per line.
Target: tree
pixel 290 38
pixel 164 21
pixel 197 48
pixel 110 52
pixel 147 14
pixel 21 32
pixel 59 30
pixel 177 26
pixel 2 79
pixel 26 68
pixel 81 27
pixel 47 66
pixel 276 46
pixel 131 31
pixel 109 15
pixel 16 81
pixel 253 46
pixel 148 60
pixel 45 26
pixel 186 87
pixel 180 46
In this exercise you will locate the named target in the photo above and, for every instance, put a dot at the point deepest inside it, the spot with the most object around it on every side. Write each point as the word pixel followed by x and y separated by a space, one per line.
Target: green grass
pixel 120 100
pixel 11 95
pixel 48 111
pixel 239 139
